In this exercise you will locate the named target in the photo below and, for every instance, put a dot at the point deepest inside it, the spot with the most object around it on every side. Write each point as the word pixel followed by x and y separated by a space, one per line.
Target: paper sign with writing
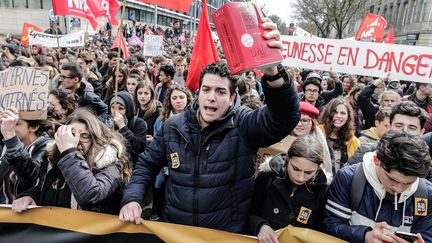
pixel 153 45
pixel 412 63
pixel 25 89
pixel 47 40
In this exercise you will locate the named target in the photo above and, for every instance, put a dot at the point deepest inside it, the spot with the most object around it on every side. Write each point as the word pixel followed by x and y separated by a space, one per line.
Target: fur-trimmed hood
pixel 104 158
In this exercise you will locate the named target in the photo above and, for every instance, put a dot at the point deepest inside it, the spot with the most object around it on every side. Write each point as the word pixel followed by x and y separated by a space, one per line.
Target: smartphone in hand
pixel 410 237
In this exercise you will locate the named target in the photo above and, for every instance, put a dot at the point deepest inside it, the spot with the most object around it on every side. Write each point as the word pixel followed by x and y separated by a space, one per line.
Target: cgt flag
pixel 179 5
pixel 123 45
pixel 371 28
pixel 108 8
pixel 76 8
pixel 204 50
pixel 27 27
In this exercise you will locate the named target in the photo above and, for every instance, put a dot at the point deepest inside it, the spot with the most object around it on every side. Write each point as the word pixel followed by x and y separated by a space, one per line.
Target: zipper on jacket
pixel 196 187
pixel 206 158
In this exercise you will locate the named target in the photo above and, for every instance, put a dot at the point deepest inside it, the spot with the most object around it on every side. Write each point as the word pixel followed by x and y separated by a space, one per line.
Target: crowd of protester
pixel 157 150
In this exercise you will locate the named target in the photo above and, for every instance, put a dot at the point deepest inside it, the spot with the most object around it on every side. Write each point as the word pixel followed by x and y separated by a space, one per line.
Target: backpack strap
pixel 422 192
pixel 357 188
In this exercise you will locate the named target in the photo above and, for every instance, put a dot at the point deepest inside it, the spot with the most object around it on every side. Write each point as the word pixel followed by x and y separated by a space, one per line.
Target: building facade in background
pixel 412 20
pixel 13 13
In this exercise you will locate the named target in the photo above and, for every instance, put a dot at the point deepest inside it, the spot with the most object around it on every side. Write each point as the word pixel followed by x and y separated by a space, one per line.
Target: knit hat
pixel 120 101
pixel 308 109
pixel 312 78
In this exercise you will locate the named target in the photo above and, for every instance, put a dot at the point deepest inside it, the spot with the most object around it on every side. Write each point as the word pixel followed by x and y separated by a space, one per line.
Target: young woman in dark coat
pixel 289 190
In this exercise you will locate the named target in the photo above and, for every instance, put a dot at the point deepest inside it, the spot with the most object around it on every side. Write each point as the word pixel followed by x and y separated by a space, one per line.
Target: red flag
pixel 123 45
pixel 204 50
pixel 27 27
pixel 390 36
pixel 108 8
pixel 371 28
pixel 179 5
pixel 76 8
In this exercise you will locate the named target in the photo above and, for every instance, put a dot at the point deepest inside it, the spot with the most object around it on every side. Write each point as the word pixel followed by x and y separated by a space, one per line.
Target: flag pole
pixel 120 39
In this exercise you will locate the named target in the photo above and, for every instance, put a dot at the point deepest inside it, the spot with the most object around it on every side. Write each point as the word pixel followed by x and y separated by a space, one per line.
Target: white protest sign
pixel 25 89
pixel 413 63
pixel 153 45
pixel 47 40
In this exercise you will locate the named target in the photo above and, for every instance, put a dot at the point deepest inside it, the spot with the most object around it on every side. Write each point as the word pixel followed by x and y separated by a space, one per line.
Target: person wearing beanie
pixel 132 128
pixel 306 126
pixel 313 94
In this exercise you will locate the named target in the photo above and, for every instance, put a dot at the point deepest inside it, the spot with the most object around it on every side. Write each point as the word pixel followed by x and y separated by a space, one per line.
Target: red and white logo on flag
pixel 372 28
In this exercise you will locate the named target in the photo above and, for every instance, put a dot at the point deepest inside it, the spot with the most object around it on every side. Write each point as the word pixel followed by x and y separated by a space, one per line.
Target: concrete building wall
pixel 12 19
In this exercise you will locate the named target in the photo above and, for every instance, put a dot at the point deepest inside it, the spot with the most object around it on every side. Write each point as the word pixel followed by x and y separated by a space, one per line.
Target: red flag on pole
pixel 204 50
pixel 76 8
pixel 108 8
pixel 371 28
pixel 27 27
pixel 123 45
pixel 179 5
pixel 390 36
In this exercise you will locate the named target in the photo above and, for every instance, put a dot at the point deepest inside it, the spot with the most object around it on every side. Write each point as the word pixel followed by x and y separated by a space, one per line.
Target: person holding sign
pixel 24 148
pixel 210 149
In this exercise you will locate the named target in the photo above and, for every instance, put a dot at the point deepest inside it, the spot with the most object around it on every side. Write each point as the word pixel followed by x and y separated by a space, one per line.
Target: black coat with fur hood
pixel 71 183
pixel 278 203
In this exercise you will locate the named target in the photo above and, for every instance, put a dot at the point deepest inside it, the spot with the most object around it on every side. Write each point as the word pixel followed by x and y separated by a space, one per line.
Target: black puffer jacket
pixel 25 166
pixel 93 102
pixel 211 170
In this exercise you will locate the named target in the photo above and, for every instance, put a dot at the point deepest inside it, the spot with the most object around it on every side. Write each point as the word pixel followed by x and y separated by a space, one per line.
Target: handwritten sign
pixel 25 89
pixel 413 63
pixel 47 40
pixel 153 45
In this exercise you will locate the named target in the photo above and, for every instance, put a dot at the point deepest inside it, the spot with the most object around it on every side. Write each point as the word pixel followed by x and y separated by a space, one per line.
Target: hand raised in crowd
pixel 9 119
pixel 377 235
pixel 131 212
pixel 119 120
pixel 64 138
pixel 267 235
pixel 21 204
pixel 149 138
pixel 273 34
pixel 378 82
pixel 334 75
pixel 400 240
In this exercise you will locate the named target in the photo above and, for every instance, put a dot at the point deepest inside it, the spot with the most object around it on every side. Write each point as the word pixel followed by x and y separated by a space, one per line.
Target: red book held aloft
pixel 239 27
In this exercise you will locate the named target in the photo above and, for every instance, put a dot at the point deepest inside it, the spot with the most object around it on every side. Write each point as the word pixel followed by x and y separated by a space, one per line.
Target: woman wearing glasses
pixel 307 125
pixel 291 191
pixel 88 166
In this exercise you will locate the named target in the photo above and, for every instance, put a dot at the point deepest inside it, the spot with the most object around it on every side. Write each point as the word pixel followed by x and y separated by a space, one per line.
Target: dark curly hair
pixel 221 69
pixel 405 153
pixel 346 131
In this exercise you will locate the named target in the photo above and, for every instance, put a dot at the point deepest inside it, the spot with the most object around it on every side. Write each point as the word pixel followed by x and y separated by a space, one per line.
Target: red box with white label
pixel 238 25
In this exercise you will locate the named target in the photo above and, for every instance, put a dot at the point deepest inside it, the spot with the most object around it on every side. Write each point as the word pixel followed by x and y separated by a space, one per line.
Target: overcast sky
pixel 282 8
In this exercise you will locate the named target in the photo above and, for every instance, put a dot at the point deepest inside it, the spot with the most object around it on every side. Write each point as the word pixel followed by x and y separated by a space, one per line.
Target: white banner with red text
pixel 411 63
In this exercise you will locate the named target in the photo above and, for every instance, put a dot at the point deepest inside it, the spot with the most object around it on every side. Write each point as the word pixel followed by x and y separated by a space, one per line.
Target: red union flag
pixel 27 27
pixel 108 8
pixel 80 8
pixel 179 5
pixel 204 50
pixel 371 28
pixel 390 36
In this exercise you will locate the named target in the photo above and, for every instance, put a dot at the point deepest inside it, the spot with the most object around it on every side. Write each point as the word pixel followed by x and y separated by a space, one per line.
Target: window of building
pixel 35 4
pixel 20 3
pixel 6 3
pixel 47 4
